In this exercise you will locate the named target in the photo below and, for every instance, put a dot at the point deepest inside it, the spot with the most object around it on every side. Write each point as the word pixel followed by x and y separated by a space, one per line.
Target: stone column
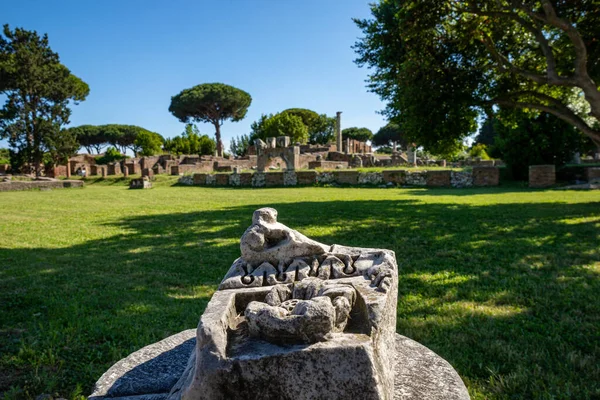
pixel 411 155
pixel 338 130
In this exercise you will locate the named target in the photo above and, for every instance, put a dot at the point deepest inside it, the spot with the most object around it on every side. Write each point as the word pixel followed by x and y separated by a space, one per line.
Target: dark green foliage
pixel 390 135
pixel 148 143
pixel 111 155
pixel 123 137
pixel 321 128
pixel 60 145
pixel 285 124
pixel 213 103
pixel 91 137
pixel 384 150
pixel 4 156
pixel 38 90
pixel 479 150
pixel 239 146
pixel 281 124
pixel 487 134
pixel 360 134
pixel 258 127
pixel 523 140
pixel 441 64
pixel 190 142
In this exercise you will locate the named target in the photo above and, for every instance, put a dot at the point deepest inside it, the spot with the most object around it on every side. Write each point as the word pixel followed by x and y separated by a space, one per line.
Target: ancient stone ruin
pixel 292 319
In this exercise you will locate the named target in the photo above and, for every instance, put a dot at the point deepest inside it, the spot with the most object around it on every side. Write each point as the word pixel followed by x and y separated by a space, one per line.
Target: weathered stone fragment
pixel 323 314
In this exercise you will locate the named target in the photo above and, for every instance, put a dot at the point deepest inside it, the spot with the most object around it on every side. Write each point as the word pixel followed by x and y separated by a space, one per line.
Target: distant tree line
pixel 123 137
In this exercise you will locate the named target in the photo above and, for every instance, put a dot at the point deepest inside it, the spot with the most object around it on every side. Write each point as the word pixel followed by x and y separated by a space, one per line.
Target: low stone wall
pixel 486 176
pixel 204 166
pixel 29 185
pixel 306 177
pixel 541 176
pixel 346 177
pixel 482 176
pixel 461 179
pixel 592 174
pixel 396 177
pixel 327 164
pixel 439 178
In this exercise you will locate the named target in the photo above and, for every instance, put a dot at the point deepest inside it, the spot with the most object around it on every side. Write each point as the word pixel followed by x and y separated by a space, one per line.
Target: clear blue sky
pixel 136 54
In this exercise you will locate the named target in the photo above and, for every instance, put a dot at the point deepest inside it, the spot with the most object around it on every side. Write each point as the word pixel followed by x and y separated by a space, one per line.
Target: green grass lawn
pixel 504 283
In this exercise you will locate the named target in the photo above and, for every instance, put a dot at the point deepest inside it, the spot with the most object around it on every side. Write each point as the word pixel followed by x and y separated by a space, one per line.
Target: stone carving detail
pixel 309 312
pixel 322 316
pixel 272 254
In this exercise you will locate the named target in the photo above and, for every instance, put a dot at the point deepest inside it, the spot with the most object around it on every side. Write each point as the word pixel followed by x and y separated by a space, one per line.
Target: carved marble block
pixel 296 319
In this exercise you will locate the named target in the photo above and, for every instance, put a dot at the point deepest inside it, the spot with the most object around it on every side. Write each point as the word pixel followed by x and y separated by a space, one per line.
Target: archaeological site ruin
pixel 293 319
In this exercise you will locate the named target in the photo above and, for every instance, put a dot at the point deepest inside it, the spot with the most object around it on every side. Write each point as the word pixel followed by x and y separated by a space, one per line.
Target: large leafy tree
pixel 285 124
pixel 213 103
pixel 360 134
pixel 148 143
pixel 390 135
pixel 190 142
pixel 321 128
pixel 440 64
pixel 124 137
pixel 38 91
pixel 522 140
pixel 59 146
pixel 90 137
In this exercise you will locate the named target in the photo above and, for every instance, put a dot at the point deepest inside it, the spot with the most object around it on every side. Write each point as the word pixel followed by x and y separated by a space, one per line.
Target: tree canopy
pixel 147 143
pixel 321 128
pixel 213 103
pixel 360 134
pixel 239 146
pixel 90 137
pixel 390 135
pixel 190 142
pixel 285 124
pixel 522 141
pixel 38 90
pixel 122 137
pixel 441 64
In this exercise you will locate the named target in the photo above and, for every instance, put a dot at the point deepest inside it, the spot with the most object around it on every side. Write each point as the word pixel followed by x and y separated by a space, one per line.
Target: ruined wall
pixel 438 178
pixel 541 176
pixel 204 166
pixel 486 176
pixel 592 174
pixel 447 178
pixel 327 164
pixel 29 185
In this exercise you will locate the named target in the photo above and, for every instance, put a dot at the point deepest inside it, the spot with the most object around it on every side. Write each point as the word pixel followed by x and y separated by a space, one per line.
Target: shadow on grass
pixel 507 293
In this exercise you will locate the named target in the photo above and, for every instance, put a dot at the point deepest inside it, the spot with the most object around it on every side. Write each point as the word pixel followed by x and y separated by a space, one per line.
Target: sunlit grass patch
pixel 501 282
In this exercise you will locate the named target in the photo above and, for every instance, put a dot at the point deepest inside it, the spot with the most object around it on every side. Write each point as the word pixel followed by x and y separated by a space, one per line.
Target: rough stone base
pixel 149 373
pixel 42 185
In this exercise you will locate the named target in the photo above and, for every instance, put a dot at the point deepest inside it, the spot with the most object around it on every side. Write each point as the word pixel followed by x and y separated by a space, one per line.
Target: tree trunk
pixel 218 139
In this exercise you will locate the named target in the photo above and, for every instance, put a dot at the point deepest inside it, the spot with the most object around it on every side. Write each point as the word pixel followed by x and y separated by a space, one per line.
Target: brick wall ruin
pixel 444 178
pixel 541 176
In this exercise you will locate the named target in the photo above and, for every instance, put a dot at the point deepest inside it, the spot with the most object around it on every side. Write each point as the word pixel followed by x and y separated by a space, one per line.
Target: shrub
pixel 111 155
pixel 479 151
